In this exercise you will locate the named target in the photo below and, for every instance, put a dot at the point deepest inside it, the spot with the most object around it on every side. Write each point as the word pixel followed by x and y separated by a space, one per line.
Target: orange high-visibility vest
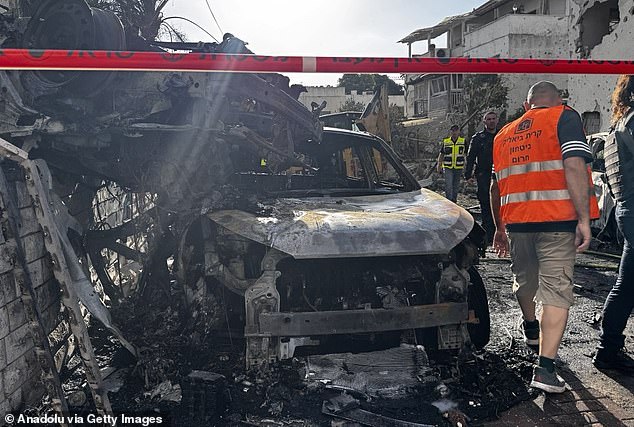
pixel 530 170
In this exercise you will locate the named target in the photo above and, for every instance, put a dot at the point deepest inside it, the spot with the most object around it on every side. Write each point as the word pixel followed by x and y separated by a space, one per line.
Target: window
pixel 591 122
pixel 353 166
pixel 343 169
pixel 386 175
pixel 438 86
pixel 456 81
pixel 421 91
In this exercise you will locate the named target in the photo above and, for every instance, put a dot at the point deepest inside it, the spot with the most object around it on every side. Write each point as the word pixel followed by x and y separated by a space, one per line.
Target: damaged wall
pixel 20 373
pixel 522 36
pixel 591 93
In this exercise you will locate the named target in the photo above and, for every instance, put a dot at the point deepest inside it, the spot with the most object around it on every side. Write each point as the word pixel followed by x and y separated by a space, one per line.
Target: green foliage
pixel 368 82
pixel 352 105
pixel 397 114
pixel 483 92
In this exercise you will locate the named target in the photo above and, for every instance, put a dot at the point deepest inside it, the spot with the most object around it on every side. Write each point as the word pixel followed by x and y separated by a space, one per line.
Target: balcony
pixel 456 100
pixel 495 38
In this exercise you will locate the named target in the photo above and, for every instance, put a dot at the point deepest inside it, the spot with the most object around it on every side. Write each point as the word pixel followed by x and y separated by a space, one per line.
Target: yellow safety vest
pixel 453 153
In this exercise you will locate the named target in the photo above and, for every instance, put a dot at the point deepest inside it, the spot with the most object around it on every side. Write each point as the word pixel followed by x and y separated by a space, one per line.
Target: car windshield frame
pixel 345 163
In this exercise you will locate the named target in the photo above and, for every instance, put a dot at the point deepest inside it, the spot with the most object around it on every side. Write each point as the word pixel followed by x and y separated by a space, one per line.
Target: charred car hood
pixel 415 223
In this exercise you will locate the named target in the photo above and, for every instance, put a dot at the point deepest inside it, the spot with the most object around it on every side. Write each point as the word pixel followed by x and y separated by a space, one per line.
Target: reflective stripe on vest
pixel 530 171
pixel 535 195
pixel 453 153
pixel 549 165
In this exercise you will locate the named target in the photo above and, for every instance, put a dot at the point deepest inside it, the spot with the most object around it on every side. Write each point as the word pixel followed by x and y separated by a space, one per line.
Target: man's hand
pixel 501 243
pixel 583 235
pixel 580 189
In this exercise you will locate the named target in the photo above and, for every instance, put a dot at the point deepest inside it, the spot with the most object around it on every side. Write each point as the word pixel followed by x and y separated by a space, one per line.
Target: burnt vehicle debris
pixel 352 245
pixel 224 189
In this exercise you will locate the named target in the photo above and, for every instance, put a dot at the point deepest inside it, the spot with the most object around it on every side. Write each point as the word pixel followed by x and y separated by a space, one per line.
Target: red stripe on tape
pixel 25 59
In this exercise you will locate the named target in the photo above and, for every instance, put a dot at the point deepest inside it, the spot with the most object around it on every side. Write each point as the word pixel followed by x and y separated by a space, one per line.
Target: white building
pixel 601 29
pixel 504 28
pixel 336 97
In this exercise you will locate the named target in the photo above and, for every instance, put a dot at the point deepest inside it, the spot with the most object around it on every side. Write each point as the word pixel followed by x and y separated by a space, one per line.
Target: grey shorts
pixel 543 265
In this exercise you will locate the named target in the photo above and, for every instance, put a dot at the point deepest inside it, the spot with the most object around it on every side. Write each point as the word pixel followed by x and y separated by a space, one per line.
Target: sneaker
pixel 531 332
pixel 550 382
pixel 618 360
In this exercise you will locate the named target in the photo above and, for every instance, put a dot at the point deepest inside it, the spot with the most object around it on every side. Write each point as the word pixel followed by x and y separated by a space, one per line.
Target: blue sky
pixel 316 28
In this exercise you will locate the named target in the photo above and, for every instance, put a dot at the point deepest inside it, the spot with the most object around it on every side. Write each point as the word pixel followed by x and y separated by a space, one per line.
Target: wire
pixel 214 16
pixel 191 22
pixel 171 31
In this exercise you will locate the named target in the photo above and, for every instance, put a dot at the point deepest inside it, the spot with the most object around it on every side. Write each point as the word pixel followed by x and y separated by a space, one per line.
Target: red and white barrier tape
pixel 28 59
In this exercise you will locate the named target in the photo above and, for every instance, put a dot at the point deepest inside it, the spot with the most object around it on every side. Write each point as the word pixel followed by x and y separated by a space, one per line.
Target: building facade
pixel 502 28
pixel 599 30
pixel 336 97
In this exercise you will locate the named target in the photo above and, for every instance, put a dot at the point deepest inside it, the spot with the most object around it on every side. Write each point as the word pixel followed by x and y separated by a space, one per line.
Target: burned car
pixel 347 252
pixel 307 239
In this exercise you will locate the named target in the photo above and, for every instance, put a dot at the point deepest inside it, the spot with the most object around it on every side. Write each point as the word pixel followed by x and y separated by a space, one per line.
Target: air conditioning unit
pixel 443 53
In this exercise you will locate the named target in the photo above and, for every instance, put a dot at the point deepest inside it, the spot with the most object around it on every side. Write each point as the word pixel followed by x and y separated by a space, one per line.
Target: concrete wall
pixel 538 35
pixel 413 93
pixel 592 92
pixel 522 36
pixel 336 97
pixel 20 382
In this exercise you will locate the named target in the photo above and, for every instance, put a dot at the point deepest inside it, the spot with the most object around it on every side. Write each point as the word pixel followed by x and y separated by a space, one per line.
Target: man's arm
pixel 474 151
pixel 576 153
pixel 500 239
pixel 578 183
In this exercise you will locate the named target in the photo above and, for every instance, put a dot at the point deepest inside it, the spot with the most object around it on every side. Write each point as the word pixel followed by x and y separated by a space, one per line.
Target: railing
pixel 456 100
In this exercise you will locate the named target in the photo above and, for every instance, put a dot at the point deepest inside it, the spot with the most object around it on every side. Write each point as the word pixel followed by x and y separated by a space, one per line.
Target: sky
pixel 316 28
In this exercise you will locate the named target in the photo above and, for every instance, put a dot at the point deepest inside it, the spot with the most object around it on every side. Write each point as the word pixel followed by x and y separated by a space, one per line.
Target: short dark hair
pixel 454 127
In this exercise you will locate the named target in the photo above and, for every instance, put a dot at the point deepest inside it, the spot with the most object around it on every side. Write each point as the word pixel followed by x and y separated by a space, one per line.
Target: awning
pixel 437 30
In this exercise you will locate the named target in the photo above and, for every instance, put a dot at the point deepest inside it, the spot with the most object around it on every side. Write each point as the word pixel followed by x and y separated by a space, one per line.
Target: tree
pixel 483 92
pixel 142 17
pixel 352 105
pixel 369 82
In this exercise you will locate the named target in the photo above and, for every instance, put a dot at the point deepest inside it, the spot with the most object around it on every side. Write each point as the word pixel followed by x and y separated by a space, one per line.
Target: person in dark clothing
pixel 619 163
pixel 480 155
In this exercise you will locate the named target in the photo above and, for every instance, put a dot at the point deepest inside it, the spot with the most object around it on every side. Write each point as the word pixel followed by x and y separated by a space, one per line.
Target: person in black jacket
pixel 619 165
pixel 480 155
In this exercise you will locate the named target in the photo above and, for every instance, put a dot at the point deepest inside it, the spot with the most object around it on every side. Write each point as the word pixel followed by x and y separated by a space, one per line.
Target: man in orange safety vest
pixel 542 202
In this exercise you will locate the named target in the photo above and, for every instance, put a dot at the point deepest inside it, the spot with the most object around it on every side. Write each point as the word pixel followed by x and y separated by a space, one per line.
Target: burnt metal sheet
pixel 420 222
pixel 390 374
pixel 360 321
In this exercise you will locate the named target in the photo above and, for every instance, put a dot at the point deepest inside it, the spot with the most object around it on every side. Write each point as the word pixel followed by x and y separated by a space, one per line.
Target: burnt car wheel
pixel 479 304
